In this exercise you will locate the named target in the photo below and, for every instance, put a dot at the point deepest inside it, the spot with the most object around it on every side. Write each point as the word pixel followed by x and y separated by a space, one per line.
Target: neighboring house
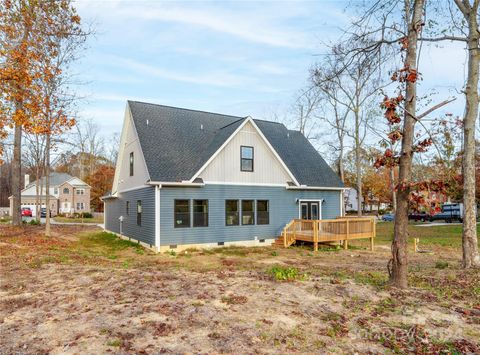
pixel 68 194
pixel 350 196
pixel 188 178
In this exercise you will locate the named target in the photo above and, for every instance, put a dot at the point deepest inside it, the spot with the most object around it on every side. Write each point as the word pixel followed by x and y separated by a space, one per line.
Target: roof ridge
pixel 185 109
pixel 231 123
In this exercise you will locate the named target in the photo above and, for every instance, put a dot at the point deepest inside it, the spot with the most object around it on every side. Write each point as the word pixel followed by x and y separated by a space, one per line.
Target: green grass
pixel 281 273
pixel 78 220
pixel 107 244
pixel 5 219
pixel 446 236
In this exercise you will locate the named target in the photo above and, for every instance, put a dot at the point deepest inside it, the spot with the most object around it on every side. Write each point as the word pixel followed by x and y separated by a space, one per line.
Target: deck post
pixel 284 237
pixel 315 235
pixel 345 242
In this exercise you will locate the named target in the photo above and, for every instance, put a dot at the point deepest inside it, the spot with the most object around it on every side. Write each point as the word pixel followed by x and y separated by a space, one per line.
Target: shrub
pixel 281 273
pixel 86 215
pixel 34 222
pixel 441 264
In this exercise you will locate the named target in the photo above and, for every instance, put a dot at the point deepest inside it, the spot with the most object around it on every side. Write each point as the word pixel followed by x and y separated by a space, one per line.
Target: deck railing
pixel 329 230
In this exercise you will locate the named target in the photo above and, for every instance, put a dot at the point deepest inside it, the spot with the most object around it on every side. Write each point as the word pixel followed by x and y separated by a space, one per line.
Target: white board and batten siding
pixel 225 167
pixel 130 143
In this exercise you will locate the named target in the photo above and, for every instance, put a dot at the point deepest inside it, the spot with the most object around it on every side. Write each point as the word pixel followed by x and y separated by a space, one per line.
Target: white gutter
pixel 305 187
pixel 176 184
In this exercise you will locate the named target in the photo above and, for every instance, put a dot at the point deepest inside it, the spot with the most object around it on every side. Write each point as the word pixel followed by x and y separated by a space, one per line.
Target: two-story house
pixel 68 194
pixel 188 178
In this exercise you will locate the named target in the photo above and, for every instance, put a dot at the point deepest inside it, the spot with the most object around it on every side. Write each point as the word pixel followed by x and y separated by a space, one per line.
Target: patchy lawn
pixel 97 220
pixel 86 291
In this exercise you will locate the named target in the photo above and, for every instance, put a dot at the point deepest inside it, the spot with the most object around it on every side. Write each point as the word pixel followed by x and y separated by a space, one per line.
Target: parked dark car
pixel 448 217
pixel 43 213
pixel 26 212
pixel 388 217
pixel 419 216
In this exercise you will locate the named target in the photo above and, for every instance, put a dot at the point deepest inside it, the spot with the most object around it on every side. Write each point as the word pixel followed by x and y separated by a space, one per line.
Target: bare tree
pixel 305 110
pixel 90 145
pixel 34 159
pixel 471 258
pixel 462 25
pixel 351 85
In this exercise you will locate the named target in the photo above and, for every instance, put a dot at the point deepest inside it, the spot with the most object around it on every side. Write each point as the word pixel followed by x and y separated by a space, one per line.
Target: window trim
pixel 193 212
pixel 267 211
pixel 242 158
pixel 175 225
pixel 238 213
pixel 131 162
pixel 253 212
pixel 139 214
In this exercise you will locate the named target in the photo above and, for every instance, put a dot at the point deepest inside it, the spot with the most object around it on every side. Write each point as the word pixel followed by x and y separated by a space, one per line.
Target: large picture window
pixel 246 158
pixel 200 213
pixel 182 214
pixel 131 163
pixel 231 213
pixel 248 213
pixel 263 212
pixel 139 213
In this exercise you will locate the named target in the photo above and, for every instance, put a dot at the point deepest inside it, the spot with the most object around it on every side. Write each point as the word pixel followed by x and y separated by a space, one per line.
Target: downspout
pixel 157 217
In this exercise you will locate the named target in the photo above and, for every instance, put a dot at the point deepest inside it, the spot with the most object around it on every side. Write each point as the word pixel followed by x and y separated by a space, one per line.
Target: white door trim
pixel 309 200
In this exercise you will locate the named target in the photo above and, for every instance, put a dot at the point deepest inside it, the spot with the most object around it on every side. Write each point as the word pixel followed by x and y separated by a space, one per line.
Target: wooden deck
pixel 329 230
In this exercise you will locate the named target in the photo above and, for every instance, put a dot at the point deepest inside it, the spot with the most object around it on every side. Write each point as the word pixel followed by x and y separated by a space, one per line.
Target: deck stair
pixel 341 229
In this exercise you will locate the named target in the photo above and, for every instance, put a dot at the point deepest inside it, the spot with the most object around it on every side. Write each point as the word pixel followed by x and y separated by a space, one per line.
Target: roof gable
pixel 224 165
pixel 177 143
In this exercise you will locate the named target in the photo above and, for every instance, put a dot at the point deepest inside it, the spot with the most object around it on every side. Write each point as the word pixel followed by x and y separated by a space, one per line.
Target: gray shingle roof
pixel 177 142
pixel 55 179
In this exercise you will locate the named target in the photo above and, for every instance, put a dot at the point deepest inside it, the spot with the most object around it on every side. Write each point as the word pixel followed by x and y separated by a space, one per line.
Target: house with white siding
pixel 187 178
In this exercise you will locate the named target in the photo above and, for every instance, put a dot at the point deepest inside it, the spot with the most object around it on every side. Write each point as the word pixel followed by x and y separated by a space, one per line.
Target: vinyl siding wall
pixel 282 204
pixel 117 207
pixel 226 165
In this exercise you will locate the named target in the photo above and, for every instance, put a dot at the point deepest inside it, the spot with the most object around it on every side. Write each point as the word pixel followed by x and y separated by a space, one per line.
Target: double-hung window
pixel 263 212
pixel 248 212
pixel 127 208
pixel 182 214
pixel 200 213
pixel 231 213
pixel 246 158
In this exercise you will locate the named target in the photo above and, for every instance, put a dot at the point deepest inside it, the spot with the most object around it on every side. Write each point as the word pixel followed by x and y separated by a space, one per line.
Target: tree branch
pixel 444 38
pixel 433 108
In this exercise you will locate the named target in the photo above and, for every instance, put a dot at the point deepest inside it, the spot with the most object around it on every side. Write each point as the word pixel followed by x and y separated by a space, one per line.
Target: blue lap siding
pixel 283 208
pixel 116 207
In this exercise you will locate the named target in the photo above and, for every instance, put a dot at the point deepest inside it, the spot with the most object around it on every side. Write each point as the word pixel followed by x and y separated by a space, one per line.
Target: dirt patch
pixel 81 292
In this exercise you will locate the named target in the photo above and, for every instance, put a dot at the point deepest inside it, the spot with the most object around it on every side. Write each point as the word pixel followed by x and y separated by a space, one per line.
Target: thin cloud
pixel 255 29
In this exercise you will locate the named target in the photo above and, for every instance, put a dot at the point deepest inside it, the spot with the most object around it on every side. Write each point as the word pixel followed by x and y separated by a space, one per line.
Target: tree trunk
pixel 17 175
pixel 392 186
pixel 471 257
pixel 398 277
pixel 341 169
pixel 47 186
pixel 358 167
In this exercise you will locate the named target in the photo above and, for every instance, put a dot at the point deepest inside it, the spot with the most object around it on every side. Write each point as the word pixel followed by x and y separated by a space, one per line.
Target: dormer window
pixel 131 163
pixel 246 158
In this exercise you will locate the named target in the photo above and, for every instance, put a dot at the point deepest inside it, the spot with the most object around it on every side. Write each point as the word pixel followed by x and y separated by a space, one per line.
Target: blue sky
pixel 237 57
